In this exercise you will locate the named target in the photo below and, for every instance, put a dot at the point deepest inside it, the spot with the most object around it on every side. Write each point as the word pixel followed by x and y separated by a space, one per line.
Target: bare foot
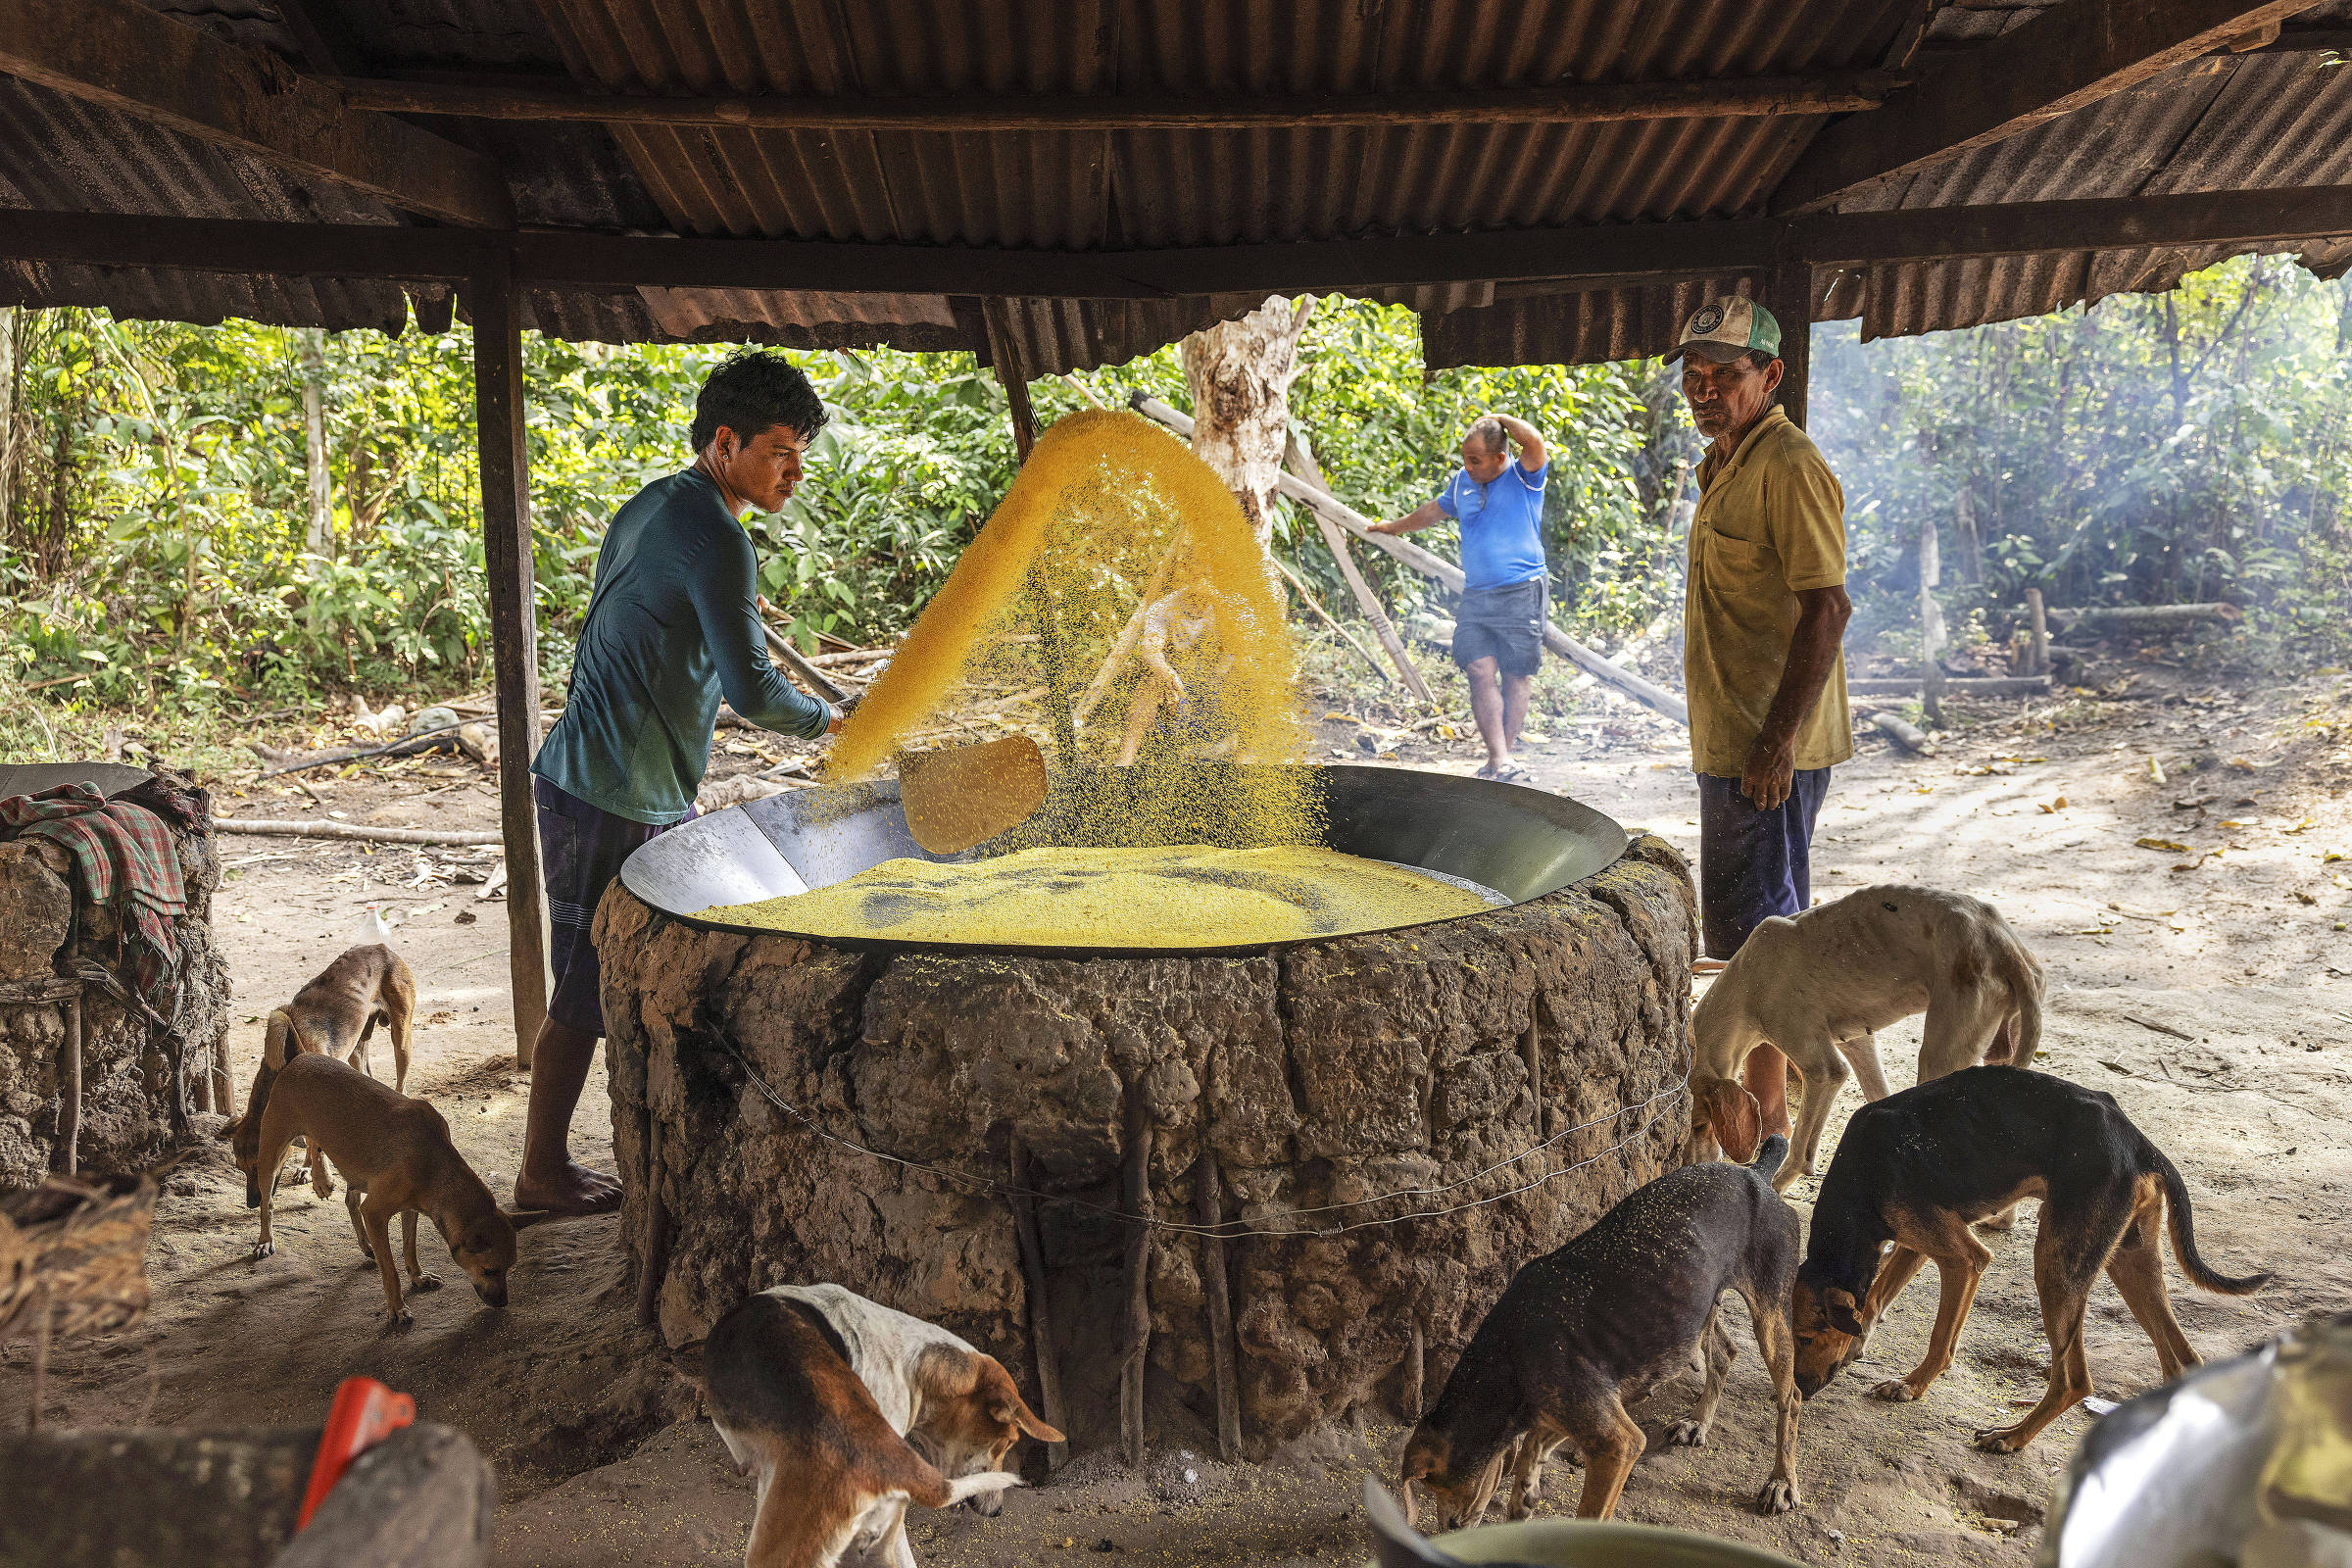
pixel 575 1189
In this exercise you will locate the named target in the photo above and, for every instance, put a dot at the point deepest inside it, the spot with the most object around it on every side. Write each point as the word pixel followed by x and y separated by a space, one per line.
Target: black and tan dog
pixel 1582 1331
pixel 1920 1167
pixel 334 1015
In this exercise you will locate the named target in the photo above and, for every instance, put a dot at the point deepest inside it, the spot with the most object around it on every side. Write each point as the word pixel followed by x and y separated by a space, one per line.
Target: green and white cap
pixel 1727 326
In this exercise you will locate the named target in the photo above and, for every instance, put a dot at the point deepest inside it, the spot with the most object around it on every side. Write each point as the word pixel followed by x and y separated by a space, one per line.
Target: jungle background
pixel 160 549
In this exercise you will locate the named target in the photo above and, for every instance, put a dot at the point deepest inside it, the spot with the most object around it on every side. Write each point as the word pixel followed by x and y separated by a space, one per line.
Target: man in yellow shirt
pixel 1763 630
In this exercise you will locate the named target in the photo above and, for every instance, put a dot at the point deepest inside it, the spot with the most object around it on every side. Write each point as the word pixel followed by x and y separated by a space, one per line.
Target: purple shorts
pixel 580 851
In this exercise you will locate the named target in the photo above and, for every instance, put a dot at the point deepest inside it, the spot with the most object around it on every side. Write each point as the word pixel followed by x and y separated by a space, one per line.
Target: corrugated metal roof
pixel 2265 118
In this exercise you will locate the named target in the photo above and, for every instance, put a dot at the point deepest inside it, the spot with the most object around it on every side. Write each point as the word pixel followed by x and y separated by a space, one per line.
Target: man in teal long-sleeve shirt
pixel 672 627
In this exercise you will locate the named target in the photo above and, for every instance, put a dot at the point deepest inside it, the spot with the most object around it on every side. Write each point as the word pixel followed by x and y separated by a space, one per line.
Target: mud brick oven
pixel 1414 1061
pixel 49 930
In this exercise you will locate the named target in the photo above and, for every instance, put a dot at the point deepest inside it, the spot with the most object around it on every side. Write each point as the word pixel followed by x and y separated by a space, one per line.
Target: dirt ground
pixel 2214 1002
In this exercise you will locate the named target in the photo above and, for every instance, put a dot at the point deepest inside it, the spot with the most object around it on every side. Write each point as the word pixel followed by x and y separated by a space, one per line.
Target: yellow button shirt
pixel 1771 521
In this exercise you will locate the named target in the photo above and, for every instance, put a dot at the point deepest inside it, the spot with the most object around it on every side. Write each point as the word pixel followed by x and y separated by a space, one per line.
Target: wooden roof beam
pixel 121 54
pixel 2070 56
pixel 1520 261
pixel 1571 103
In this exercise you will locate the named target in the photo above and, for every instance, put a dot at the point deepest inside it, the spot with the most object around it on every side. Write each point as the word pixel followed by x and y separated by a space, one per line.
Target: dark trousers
pixel 1754 864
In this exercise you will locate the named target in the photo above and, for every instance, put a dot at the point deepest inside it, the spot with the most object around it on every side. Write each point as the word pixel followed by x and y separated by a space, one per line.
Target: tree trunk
pixel 1972 543
pixel 319 537
pixel 1931 623
pixel 1240 374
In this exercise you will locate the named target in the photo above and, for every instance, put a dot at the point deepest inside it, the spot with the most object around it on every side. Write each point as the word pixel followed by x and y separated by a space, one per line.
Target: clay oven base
pixel 1324 1074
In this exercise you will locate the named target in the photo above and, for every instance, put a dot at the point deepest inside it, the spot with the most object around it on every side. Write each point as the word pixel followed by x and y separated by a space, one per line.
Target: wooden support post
pixel 2038 621
pixel 1791 301
pixel 69 1112
pixel 1208 1210
pixel 1041 1308
pixel 496 306
pixel 1300 461
pixel 1136 1341
pixel 1417 1373
pixel 1006 358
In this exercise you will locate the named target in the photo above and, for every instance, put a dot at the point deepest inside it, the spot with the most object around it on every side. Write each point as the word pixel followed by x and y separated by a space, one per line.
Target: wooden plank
pixel 121 54
pixel 496 306
pixel 1520 261
pixel 1568 103
pixel 2072 54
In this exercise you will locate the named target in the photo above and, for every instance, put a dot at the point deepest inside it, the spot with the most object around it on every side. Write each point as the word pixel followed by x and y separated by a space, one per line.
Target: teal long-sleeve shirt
pixel 672 626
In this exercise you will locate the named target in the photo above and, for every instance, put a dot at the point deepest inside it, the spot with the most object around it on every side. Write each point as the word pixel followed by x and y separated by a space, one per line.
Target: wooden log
pixel 1931 623
pixel 1136 1339
pixel 311 828
pixel 1042 1343
pixel 1953 686
pixel 2150 617
pixel 1307 598
pixel 1910 737
pixel 2038 619
pixel 1326 505
pixel 496 306
pixel 1300 461
pixel 1209 1210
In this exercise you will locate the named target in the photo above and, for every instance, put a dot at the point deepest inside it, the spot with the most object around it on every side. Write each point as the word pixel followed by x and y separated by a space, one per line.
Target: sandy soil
pixel 592 1432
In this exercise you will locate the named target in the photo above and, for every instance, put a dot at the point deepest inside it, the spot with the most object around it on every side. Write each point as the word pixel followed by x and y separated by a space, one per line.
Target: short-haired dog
pixel 1818 985
pixel 396 1158
pixel 1920 1167
pixel 825 1396
pixel 1582 1331
pixel 335 1014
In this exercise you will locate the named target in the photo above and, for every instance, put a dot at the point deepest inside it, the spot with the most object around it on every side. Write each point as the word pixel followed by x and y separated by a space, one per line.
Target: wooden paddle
pixel 965 795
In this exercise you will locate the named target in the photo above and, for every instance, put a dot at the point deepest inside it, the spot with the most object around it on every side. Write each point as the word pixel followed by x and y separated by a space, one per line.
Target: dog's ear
pixel 523 1220
pixel 1839 1305
pixel 1006 1407
pixel 1731 1113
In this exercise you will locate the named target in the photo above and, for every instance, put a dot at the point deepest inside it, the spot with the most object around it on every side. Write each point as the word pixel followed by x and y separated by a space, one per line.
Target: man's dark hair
pixel 1487 432
pixel 1761 358
pixel 755 390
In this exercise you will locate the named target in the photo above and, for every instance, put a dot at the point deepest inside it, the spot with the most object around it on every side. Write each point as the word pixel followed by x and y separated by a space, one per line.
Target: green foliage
pixel 2154 449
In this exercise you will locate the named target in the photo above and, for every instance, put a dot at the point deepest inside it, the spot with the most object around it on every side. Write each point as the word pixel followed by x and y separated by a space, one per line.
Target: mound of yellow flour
pixel 1171 895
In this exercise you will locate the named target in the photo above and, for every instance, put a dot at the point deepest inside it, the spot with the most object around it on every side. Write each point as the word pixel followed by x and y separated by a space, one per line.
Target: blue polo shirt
pixel 1503 525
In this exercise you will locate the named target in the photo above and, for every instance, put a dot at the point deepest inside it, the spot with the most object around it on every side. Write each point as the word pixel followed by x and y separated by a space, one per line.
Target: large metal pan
pixel 1521 842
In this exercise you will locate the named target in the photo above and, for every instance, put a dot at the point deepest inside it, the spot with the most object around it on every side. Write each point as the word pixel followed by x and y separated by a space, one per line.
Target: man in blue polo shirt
pixel 1498 630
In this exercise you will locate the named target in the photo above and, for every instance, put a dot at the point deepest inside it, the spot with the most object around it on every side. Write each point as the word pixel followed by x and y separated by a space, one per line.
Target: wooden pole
pixel 1136 1342
pixel 1416 1374
pixel 1791 301
pixel 1931 622
pixel 1208 1210
pixel 1006 358
pixel 1041 1308
pixel 68 1115
pixel 1300 461
pixel 2039 620
pixel 1307 598
pixel 1324 504
pixel 496 306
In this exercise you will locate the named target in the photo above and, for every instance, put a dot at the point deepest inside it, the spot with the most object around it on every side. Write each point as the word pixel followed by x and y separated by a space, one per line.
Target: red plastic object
pixel 364 1413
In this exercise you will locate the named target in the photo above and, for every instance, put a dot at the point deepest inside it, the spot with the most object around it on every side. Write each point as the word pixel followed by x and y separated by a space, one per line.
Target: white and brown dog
pixel 1819 985
pixel 820 1392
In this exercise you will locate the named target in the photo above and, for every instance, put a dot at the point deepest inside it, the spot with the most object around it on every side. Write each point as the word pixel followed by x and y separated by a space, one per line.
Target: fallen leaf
pixel 2058 805
pixel 2307 822
pixel 2155 768
pixel 2302 897
pixel 2174 845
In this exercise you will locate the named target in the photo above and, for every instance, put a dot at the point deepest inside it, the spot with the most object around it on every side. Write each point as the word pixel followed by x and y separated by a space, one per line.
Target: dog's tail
pixel 2023 976
pixel 1767 1162
pixel 963 1486
pixel 2185 1235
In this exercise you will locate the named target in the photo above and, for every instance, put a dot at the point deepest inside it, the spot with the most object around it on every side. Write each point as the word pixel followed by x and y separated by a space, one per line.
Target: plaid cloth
pixel 126 858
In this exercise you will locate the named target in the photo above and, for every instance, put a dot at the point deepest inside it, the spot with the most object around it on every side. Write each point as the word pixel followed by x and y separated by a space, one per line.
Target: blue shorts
pixel 1754 864
pixel 580 851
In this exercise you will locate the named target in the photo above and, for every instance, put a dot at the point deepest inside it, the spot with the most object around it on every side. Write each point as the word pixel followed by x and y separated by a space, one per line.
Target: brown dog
pixel 1920 1167
pixel 334 1015
pixel 396 1158
pixel 825 1396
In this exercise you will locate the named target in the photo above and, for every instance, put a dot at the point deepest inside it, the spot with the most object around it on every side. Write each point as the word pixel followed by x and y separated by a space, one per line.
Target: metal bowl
pixel 1520 843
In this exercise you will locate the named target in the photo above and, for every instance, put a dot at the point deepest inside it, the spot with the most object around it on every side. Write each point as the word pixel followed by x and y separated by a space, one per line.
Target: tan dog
pixel 396 1158
pixel 334 1015
pixel 828 1396
pixel 1819 985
